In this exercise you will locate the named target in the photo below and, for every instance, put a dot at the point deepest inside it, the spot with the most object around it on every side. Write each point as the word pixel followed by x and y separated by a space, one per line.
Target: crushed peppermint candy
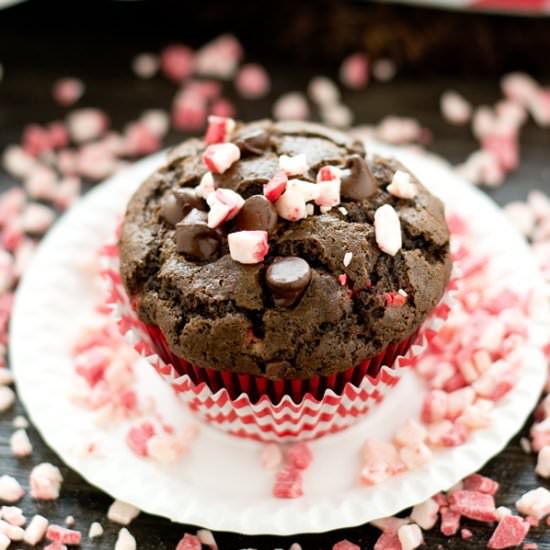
pixel 36 530
pixel 125 540
pixel 348 256
pixel 387 229
pixel 248 247
pixel 401 186
pixel 96 530
pixel 20 444
pixel 219 157
pixel 45 481
pixel 122 513
pixel 293 166
pixel 10 489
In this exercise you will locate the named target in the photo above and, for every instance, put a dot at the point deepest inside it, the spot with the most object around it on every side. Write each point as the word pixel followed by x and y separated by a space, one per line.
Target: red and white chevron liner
pixel 282 422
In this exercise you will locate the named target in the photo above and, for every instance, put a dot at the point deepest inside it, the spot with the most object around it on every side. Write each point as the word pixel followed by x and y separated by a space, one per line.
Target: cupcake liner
pixel 255 407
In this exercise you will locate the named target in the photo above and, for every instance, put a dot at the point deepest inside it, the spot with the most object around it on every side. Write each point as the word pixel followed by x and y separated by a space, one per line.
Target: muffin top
pixel 281 251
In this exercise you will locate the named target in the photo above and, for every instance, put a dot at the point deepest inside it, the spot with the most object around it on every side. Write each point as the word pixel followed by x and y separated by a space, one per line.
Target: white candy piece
pixel 219 157
pixel 291 205
pixel 206 537
pixel 20 444
pixel 410 537
pixel 323 91
pixel 271 456
pixel 387 229
pixel 291 106
pixel 206 186
pixel 401 186
pixel 410 434
pixel 4 541
pixel 122 513
pixel 17 162
pixel 338 115
pixel 145 65
pixel 7 398
pixel 535 503
pixel 86 124
pixel 96 530
pixel 165 448
pixel 543 462
pixel 455 108
pixel 348 256
pixel 36 218
pixel 293 166
pixel 45 481
pixel 157 121
pixel 425 514
pixel 36 530
pixel 13 515
pixel 13 532
pixel 248 247
pixel 10 490
pixel 415 456
pixel 125 540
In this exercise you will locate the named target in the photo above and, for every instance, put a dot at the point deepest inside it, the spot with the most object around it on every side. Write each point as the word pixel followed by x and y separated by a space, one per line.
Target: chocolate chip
pixel 257 214
pixel 195 239
pixel 288 278
pixel 277 369
pixel 360 183
pixel 253 141
pixel 178 203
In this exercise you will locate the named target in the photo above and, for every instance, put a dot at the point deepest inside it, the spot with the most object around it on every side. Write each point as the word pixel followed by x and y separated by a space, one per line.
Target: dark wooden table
pixel 97 46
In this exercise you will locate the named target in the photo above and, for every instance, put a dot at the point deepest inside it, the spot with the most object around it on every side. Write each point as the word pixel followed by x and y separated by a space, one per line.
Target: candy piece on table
pixel 122 512
pixel 36 218
pixel 18 162
pixel 450 521
pixel 299 455
pixel 535 503
pixel 140 140
pixel 410 537
pixel 206 186
pixel 345 545
pixel 157 121
pixel 510 532
pixel 220 157
pixel 401 186
pixel 293 166
pixel 206 537
pixel 188 112
pixel 354 71
pixel 248 247
pixel 473 505
pixel 455 108
pixel 219 58
pixel 384 70
pixel 543 462
pixel 36 530
pixel 387 229
pixel 504 148
pixel 176 62
pixel 388 541
pixel 252 81
pixel 20 444
pixel 36 140
pixel 271 456
pixel 291 106
pixel 410 434
pixel 87 124
pixel 481 167
pixel 13 515
pixel 482 484
pixel 145 65
pixel 10 489
pixel 288 483
pixel 67 91
pixel 399 130
pixel 125 540
pixel 13 532
pixel 522 216
pixel 539 107
pixel 425 514
pixel 56 533
pixel 323 91
pixel 189 542
pixel 165 448
pixel 96 530
pixel 519 86
pixel 219 129
pixel 45 481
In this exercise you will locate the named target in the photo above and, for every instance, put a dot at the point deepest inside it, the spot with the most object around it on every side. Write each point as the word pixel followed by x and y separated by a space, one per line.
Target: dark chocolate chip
pixel 288 278
pixel 360 183
pixel 277 369
pixel 175 205
pixel 253 141
pixel 195 239
pixel 257 214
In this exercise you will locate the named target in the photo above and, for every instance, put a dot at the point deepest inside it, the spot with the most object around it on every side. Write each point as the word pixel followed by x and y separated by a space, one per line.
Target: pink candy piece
pixel 137 437
pixel 271 456
pixel 248 247
pixel 466 534
pixel 224 205
pixel 291 106
pixel 473 505
pixel 252 81
pixel 55 546
pixel 67 91
pixel 37 218
pixel 156 121
pixel 519 86
pixel 45 481
pixel 402 186
pixel 388 541
pixel 345 545
pixel 450 521
pixel 87 124
pixel 329 193
pixel 10 490
pixel 220 157
pixel 510 532
pixel 482 484
pixel 56 533
pixel 299 455
pixel 223 107
pixel 189 542
pixel 434 407
pixel 414 457
pixel 219 58
pixel 218 129
pixel 504 148
pixel 13 515
pixel 189 112
pixel 288 483
pixel 176 62
pixel 276 186
pixel 96 161
pixel 387 229
pixel 140 140
pixel 354 71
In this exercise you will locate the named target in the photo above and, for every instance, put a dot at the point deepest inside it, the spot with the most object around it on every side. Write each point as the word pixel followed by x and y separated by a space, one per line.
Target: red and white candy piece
pixel 401 186
pixel 189 542
pixel 87 124
pixel 387 228
pixel 291 205
pixel 410 537
pixel 220 157
pixel 67 91
pixel 271 456
pixel 13 515
pixel 276 186
pixel 248 247
pixel 56 533
pixel 206 186
pixel 122 513
pixel 176 62
pixel 45 482
pixel 535 503
pixel 224 205
pixel 425 514
pixel 293 166
pixel 510 532
pixel 36 530
pixel 455 108
pixel 20 444
pixel 219 129
pixel 519 86
pixel 252 81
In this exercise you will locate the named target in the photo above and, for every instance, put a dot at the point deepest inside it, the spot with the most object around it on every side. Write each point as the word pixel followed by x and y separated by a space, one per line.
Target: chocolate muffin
pixel 278 250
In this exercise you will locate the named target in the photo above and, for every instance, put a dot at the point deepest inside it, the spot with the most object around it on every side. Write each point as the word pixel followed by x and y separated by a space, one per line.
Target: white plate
pixel 220 483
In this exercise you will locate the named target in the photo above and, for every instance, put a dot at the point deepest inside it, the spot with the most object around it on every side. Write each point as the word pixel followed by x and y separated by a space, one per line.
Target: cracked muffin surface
pixel 218 313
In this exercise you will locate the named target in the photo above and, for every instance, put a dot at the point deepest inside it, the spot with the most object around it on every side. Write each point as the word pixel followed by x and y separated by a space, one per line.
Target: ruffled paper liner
pixel 267 410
